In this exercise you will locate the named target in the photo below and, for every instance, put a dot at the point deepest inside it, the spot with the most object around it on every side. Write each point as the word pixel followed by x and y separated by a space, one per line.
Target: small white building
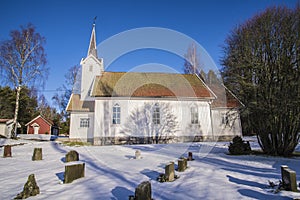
pixel 132 107
pixel 6 126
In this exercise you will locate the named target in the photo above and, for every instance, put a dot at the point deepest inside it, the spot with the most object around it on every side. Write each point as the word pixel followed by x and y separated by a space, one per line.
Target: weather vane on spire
pixel 94 21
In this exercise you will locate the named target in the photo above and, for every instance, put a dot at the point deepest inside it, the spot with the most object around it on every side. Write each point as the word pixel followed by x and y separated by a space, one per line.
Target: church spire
pixel 93 47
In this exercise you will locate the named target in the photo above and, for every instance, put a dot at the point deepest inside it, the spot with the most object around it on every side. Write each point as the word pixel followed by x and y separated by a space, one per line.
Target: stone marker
pixel 170 172
pixel 143 191
pixel 288 178
pixel 30 188
pixel 182 164
pixel 73 171
pixel 185 162
pixel 37 154
pixel 138 154
pixel 7 151
pixel 190 156
pixel 72 156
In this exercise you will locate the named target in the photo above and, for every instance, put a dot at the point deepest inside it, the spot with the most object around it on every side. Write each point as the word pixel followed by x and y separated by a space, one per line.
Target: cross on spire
pixel 94 22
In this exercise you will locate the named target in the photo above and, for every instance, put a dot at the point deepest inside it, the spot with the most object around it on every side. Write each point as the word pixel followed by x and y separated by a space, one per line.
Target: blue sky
pixel 67 25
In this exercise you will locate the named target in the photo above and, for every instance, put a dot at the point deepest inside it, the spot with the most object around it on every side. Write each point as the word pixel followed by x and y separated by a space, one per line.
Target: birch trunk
pixel 15 123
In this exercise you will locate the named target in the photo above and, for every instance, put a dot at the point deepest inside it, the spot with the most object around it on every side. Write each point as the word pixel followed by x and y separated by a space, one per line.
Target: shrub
pixel 239 147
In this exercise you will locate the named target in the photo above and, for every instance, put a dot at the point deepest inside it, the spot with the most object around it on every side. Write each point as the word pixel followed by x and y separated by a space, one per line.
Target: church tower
pixel 91 66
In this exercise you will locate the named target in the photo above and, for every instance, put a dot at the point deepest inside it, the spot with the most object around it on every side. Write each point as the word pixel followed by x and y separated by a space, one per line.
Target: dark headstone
pixel 37 154
pixel 170 172
pixel 73 172
pixel 288 178
pixel 30 188
pixel 143 191
pixel 7 151
pixel 190 156
pixel 72 156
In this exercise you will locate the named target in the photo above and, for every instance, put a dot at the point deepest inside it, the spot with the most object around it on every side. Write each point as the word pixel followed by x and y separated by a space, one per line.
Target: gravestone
pixel 288 178
pixel 170 172
pixel 72 156
pixel 182 164
pixel 190 156
pixel 73 171
pixel 7 151
pixel 30 188
pixel 185 162
pixel 143 191
pixel 138 154
pixel 37 154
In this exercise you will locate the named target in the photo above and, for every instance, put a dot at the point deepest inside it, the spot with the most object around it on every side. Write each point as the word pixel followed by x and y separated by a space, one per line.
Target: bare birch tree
pixel 23 62
pixel 192 62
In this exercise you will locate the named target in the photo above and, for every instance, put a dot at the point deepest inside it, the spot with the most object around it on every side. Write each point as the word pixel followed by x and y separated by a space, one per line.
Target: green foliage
pixel 28 105
pixel 7 103
pixel 239 147
pixel 261 66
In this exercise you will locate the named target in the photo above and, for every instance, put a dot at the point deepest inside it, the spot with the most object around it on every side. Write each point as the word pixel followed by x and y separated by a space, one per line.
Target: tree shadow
pixel 150 174
pixel 140 124
pixel 246 182
pixel 258 195
pixel 121 193
pixel 264 174
pixel 233 165
pixel 58 147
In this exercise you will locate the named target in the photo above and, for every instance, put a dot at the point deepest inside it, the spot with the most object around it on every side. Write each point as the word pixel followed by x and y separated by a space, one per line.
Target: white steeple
pixel 93 46
pixel 91 66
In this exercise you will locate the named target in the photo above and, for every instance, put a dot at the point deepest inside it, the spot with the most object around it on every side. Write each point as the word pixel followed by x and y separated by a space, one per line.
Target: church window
pixel 194 115
pixel 91 68
pixel 84 122
pixel 156 114
pixel 116 114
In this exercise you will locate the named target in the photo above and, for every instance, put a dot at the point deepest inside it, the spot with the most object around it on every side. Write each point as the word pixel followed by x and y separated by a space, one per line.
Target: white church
pixel 141 107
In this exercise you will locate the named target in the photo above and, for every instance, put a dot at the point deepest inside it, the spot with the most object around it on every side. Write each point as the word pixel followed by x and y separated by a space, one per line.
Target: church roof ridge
pixel 162 73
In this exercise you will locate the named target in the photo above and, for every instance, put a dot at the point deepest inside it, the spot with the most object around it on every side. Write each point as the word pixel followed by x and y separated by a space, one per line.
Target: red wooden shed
pixel 41 125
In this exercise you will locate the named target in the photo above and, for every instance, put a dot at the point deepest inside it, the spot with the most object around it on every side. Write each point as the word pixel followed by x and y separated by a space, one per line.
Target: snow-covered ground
pixel 112 173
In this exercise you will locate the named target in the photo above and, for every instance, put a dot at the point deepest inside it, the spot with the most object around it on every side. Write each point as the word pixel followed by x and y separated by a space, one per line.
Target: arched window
pixel 194 115
pixel 116 114
pixel 156 114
